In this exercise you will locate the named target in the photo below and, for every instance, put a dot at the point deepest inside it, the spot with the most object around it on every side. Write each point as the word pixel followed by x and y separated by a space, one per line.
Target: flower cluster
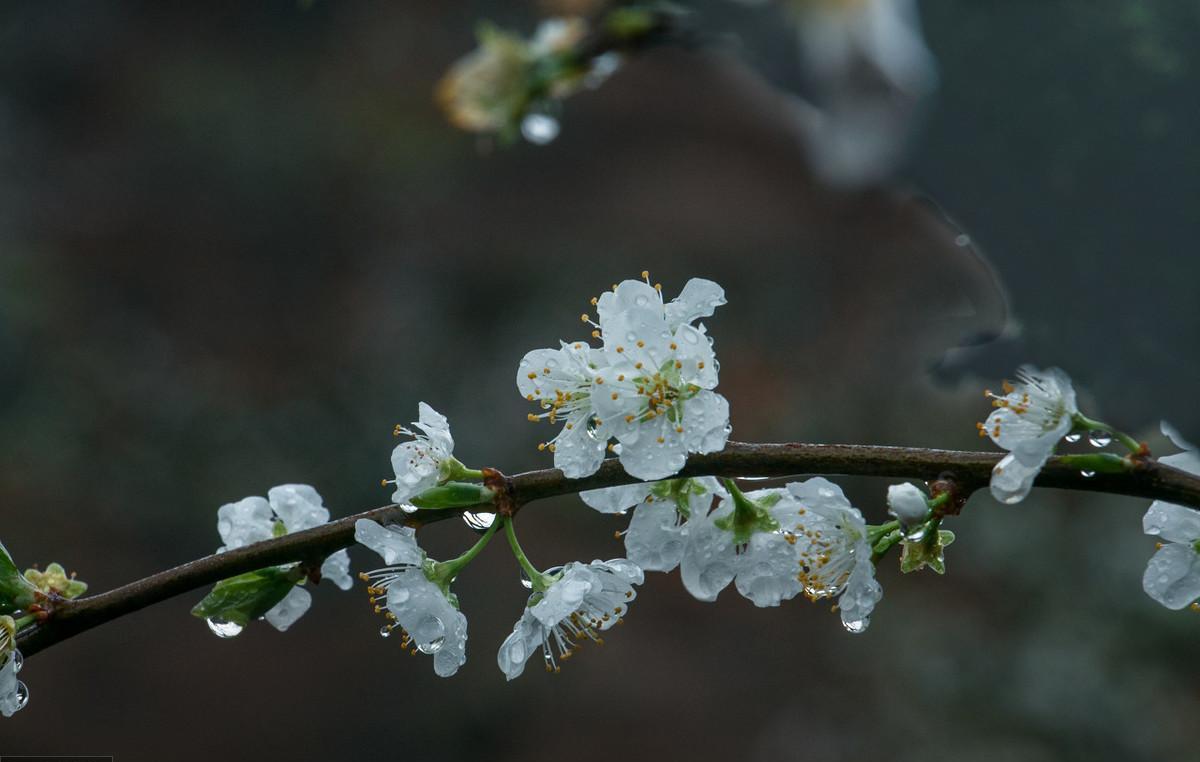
pixel 287 508
pixel 649 385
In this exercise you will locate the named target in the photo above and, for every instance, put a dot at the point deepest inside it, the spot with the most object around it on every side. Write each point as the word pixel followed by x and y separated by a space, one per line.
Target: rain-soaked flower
pixel 560 381
pixel 834 551
pixel 13 693
pixel 287 508
pixel 426 461
pixel 406 594
pixel 657 533
pixel 55 580
pixel 582 601
pixel 1030 418
pixel 1173 575
pixel 655 393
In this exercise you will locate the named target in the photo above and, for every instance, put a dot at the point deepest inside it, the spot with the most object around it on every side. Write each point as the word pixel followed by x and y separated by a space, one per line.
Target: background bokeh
pixel 238 243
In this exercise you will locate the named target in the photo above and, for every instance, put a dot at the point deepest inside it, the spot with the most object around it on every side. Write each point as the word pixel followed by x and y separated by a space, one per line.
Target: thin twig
pixel 969 470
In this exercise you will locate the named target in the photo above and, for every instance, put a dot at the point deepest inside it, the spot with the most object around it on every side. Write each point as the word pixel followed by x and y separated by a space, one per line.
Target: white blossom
pixel 13 693
pixel 405 594
pixel 287 508
pixel 427 460
pixel 907 503
pixel 657 533
pixel 655 395
pixel 560 381
pixel 1173 575
pixel 1030 418
pixel 834 553
pixel 582 602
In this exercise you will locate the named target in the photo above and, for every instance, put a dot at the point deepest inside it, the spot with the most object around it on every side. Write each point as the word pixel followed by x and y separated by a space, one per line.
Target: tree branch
pixel 970 470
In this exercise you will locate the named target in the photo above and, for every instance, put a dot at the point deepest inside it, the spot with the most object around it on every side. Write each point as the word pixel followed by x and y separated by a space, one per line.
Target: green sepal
pixel 246 597
pixel 749 516
pixel 454 495
pixel 16 592
pixel 55 580
pixel 926 553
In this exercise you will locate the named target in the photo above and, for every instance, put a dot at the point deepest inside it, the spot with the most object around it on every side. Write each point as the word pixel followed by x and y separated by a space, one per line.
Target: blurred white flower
pixel 288 508
pixel 869 72
pixel 405 594
pixel 1173 575
pixel 1029 420
pixel 426 461
pixel 583 601
pixel 834 553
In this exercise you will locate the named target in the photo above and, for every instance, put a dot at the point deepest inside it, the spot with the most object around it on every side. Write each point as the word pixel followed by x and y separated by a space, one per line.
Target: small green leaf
pixel 454 495
pixel 16 592
pixel 928 552
pixel 246 597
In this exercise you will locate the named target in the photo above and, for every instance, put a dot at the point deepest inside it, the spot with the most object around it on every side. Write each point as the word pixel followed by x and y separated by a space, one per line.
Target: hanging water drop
pixel 22 696
pixel 916 533
pixel 1087 474
pixel 407 508
pixel 856 626
pixel 525 581
pixel 480 522
pixel 432 646
pixel 1100 439
pixel 18 661
pixel 385 631
pixel 224 629
pixel 1073 437
pixel 539 129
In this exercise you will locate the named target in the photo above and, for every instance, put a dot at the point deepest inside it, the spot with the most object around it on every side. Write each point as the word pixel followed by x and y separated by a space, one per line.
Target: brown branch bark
pixel 970 470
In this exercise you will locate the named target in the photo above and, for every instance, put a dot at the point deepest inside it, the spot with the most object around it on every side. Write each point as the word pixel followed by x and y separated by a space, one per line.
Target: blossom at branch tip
pixel 427 460
pixel 657 533
pixel 406 594
pixel 1173 574
pixel 907 503
pixel 288 508
pixel 834 551
pixel 14 695
pixel 1029 420
pixel 655 393
pixel 583 601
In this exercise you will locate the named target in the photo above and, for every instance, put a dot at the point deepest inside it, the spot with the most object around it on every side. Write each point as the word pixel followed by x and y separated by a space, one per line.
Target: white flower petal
pixel 436 426
pixel 298 505
pixel 11 700
pixel 706 422
pixel 699 299
pixel 862 592
pixel 616 499
pixel 417 469
pixel 578 451
pixel 245 522
pixel 1172 433
pixel 396 545
pixel 767 570
pixel 1173 523
pixel 522 643
pixel 695 353
pixel 292 607
pixel 1173 576
pixel 565 595
pixel 336 569
pixel 709 562
pixel 658 452
pixel 655 539
pixel 1012 480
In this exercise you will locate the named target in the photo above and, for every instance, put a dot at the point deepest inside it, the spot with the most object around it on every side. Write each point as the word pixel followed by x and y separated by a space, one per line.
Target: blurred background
pixel 239 243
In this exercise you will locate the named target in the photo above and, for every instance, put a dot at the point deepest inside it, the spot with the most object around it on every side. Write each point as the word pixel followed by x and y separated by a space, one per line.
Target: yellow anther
pixel 620 349
pixel 531 376
pixel 645 273
pixel 550 448
pixel 658 287
pixel 595 334
pixel 641 343
pixel 584 317
pixel 637 365
pixel 674 346
pixel 570 426
pixel 546 371
pixel 599 380
pixel 541 446
pixel 532 418
pixel 595 301
pixel 614 395
pixel 661 440
pixel 700 365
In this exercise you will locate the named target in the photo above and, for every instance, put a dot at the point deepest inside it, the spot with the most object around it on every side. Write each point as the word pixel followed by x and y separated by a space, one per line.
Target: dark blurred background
pixel 239 243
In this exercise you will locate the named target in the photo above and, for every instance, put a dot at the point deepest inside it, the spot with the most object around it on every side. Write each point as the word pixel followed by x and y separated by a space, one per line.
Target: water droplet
pixel 641 301
pixel 602 67
pixel 856 626
pixel 962 239
pixel 826 492
pixel 22 697
pixel 224 629
pixel 1087 474
pixel 397 595
pixel 1072 438
pixel 385 631
pixel 432 646
pixel 480 522
pixel 539 129
pixel 1100 439
pixel 917 533
pixel 18 661
pixel 525 581
pixel 407 508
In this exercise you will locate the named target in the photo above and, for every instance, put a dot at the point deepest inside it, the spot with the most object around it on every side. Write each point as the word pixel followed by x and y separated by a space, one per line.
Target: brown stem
pixel 968 470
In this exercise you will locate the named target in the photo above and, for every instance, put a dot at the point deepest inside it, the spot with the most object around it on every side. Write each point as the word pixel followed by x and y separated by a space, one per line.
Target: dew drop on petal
pixel 1087 474
pixel 22 697
pixel 641 301
pixel 224 629
pixel 826 492
pixel 431 632
pixel 1100 439
pixel 1072 438
pixel 432 646
pixel 539 129
pixel 856 627
pixel 917 533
